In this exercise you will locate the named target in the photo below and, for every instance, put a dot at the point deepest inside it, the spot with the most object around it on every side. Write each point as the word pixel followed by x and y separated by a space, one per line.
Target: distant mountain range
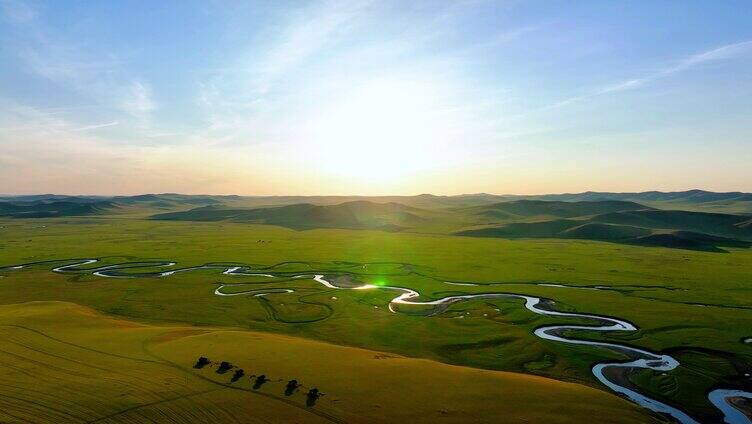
pixel 696 196
pixel 694 219
pixel 430 201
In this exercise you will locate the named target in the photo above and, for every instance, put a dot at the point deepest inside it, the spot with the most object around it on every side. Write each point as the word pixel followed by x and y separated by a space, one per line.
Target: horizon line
pixel 379 195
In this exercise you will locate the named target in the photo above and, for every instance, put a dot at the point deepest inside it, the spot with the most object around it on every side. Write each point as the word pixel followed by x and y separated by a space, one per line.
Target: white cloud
pixel 245 96
pixel 100 77
pixel 317 55
pixel 137 99
pixel 95 126
pixel 726 52
pixel 307 31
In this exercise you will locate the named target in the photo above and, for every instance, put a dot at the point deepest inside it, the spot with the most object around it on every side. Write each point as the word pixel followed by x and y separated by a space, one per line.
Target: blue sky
pixel 374 97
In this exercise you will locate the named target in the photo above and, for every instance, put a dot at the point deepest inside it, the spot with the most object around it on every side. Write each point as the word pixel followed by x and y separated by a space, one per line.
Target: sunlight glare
pixel 383 131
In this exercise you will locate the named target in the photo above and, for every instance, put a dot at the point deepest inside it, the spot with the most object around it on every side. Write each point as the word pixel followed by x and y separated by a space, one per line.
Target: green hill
pixel 675 229
pixel 474 215
pixel 52 209
pixel 692 200
pixel 690 240
pixel 689 196
pixel 350 215
pixel 530 208
pixel 703 222
pixel 597 231
pixel 699 200
pixel 170 200
pixel 547 229
pixel 560 228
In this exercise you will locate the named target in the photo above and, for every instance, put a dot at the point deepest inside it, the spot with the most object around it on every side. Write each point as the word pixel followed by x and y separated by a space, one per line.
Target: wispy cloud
pixel 34 122
pixel 137 99
pixel 726 52
pixel 242 93
pixel 96 126
pixel 99 76
pixel 306 33
pixel 322 52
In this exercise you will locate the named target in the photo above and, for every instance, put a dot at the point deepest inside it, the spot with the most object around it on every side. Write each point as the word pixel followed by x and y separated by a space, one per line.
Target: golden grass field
pixel 66 363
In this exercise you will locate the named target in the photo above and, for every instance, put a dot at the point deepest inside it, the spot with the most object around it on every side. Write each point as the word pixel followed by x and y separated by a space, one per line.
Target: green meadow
pixel 694 304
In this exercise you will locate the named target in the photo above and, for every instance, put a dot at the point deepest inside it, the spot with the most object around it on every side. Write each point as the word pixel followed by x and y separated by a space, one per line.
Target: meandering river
pixel 725 400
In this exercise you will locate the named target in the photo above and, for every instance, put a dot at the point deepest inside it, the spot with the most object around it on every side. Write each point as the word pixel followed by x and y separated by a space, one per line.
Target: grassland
pixel 660 290
pixel 66 363
pixel 614 221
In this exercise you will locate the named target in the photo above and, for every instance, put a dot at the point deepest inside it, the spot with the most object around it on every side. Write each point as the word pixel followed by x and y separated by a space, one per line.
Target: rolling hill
pixel 54 208
pixel 696 200
pixel 66 363
pixel 170 200
pixel 349 215
pixel 675 229
pixel 560 228
pixel 532 208
pixel 689 196
pixel 693 200
pixel 711 223
pixel 583 217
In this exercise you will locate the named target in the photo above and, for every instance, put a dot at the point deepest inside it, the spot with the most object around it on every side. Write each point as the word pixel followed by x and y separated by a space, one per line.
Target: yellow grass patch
pixel 65 363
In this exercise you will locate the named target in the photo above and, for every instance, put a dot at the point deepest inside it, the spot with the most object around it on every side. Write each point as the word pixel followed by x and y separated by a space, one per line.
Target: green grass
pixel 660 228
pixel 657 289
pixel 350 215
pixel 528 208
pixel 617 221
pixel 64 363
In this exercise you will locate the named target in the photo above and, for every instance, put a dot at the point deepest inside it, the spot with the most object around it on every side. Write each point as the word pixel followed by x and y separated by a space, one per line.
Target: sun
pixel 383 131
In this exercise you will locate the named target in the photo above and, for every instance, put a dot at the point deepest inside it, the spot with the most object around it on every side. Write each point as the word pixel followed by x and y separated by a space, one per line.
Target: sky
pixel 374 97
